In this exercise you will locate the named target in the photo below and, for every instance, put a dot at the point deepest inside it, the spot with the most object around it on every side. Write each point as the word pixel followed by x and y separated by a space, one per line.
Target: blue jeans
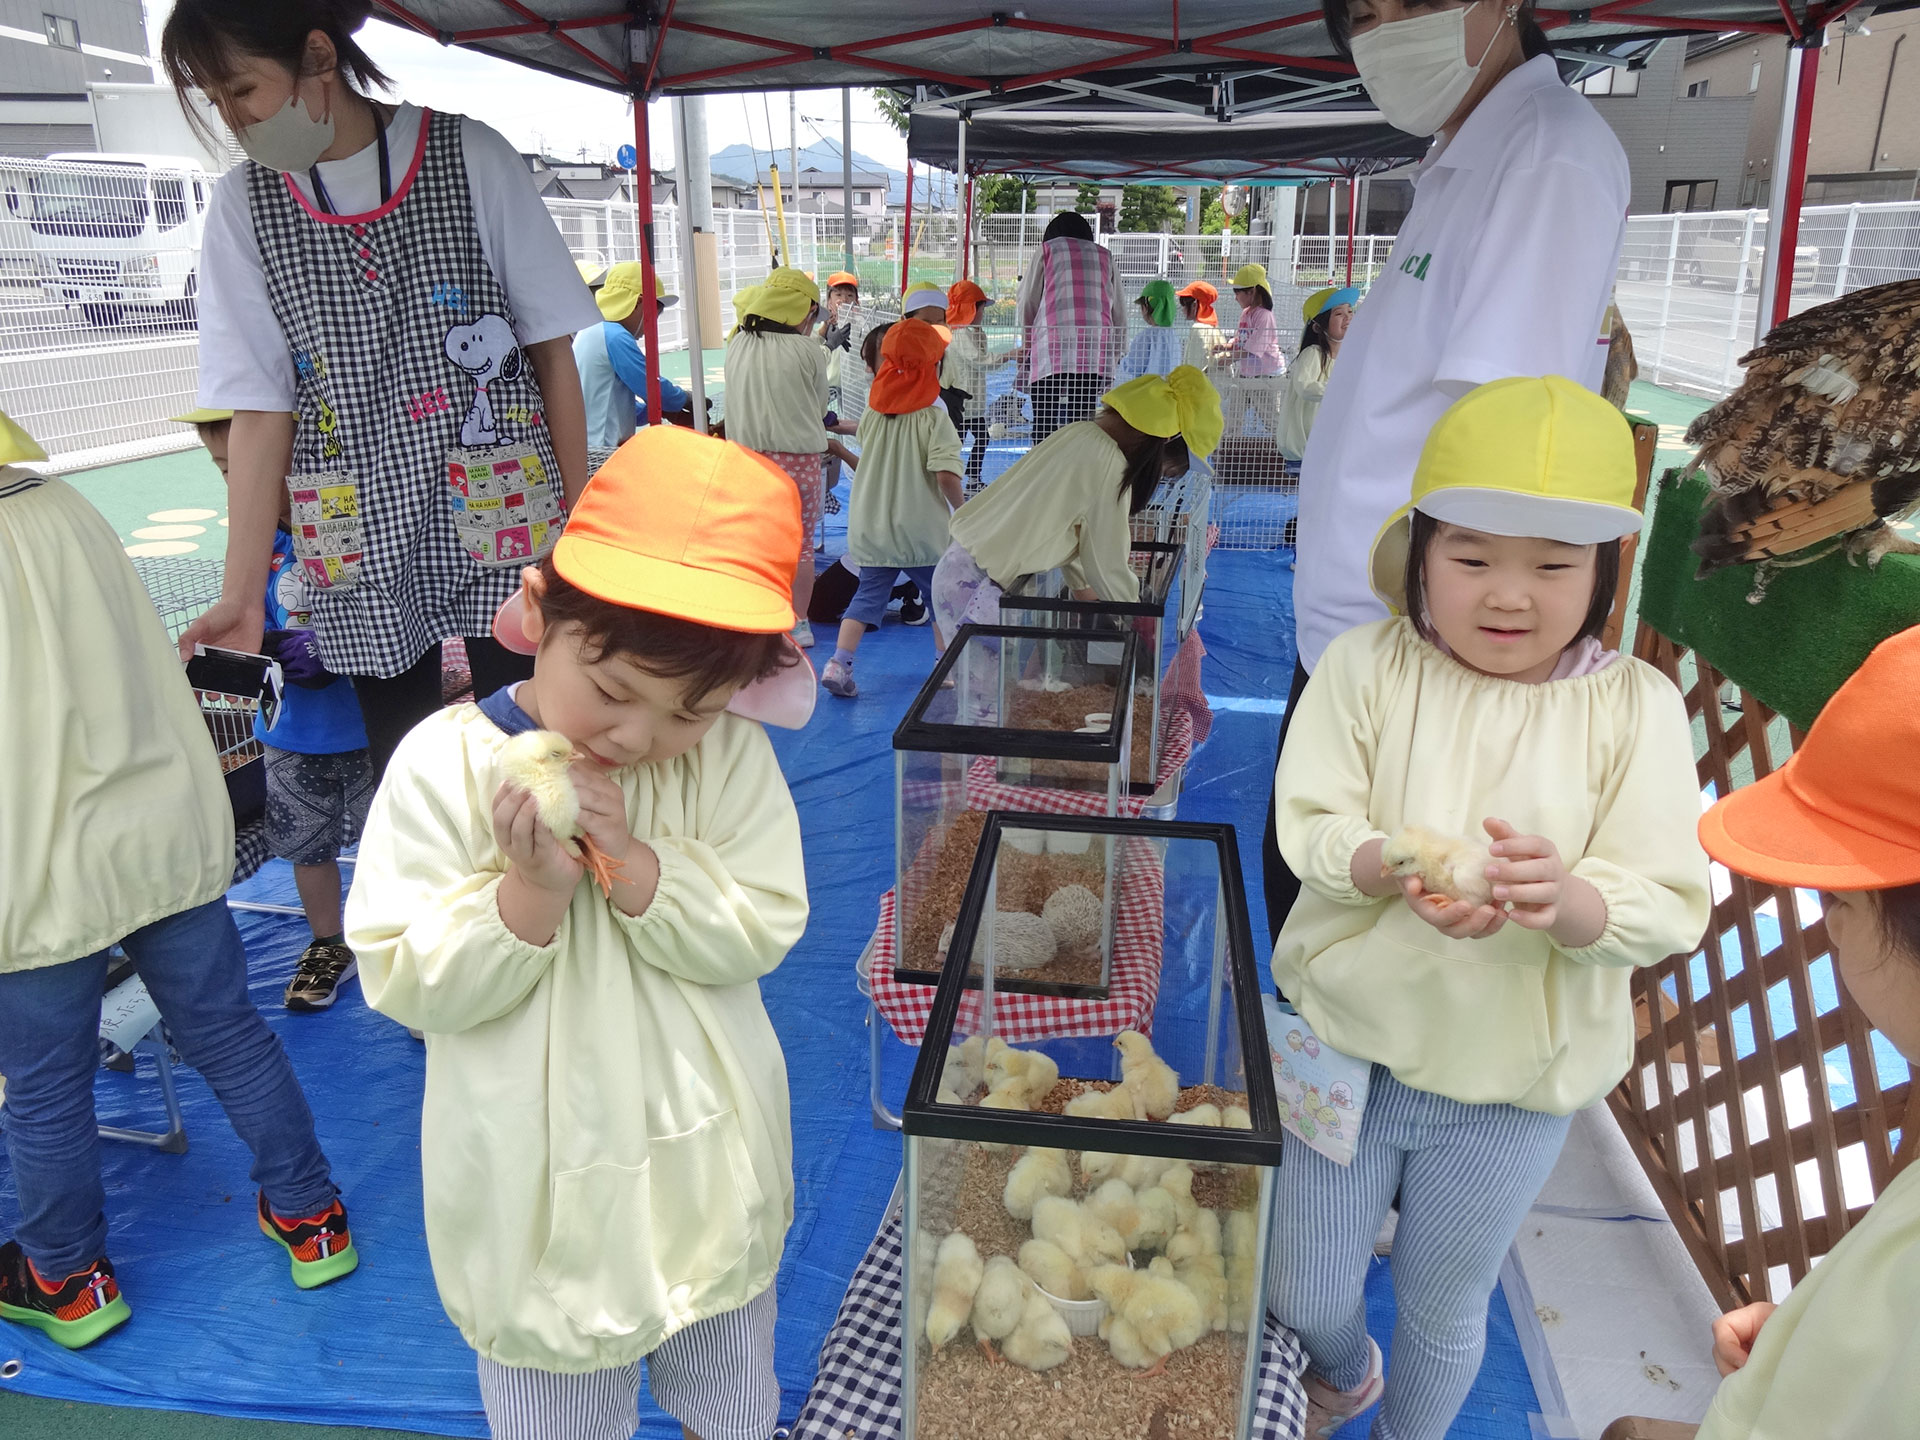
pixel 196 970
pixel 869 602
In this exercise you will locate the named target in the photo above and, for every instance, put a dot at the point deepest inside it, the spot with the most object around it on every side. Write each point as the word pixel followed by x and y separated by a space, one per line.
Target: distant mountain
pixel 744 162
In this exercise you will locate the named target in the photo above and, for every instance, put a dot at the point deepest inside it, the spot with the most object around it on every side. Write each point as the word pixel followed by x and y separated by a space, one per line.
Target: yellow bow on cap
pixel 784 297
pixel 15 444
pixel 1182 403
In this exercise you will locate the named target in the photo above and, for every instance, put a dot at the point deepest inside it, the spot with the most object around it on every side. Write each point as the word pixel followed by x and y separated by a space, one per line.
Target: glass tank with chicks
pixel 1046 600
pixel 1089 1184
pixel 1012 718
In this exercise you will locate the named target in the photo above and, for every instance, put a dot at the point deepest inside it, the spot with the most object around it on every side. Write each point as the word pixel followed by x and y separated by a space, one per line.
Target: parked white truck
pixel 118 232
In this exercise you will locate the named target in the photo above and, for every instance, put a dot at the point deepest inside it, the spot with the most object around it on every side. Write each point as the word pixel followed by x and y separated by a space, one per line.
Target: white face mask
pixel 1416 69
pixel 290 139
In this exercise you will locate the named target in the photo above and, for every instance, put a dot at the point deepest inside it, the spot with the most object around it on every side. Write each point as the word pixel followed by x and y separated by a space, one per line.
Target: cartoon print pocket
pixel 507 507
pixel 329 534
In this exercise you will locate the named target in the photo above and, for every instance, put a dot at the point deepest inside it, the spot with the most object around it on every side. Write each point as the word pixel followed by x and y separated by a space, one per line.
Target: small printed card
pixel 1322 1092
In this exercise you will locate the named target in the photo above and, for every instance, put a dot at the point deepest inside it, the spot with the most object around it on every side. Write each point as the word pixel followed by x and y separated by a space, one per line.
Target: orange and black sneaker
pixel 320 1246
pixel 76 1312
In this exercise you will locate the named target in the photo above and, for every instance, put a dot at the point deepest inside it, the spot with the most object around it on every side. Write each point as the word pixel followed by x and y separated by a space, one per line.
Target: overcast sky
pixel 542 112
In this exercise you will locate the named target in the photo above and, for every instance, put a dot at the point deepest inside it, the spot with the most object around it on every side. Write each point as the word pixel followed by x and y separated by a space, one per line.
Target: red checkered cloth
pixel 1133 986
pixel 1181 697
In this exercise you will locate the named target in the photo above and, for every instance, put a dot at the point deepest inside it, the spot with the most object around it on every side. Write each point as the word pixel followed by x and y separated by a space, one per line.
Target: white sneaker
pixel 803 635
pixel 837 678
pixel 1328 1409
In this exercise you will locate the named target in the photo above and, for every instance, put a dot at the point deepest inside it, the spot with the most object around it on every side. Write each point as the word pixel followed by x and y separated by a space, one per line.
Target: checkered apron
pixel 373 308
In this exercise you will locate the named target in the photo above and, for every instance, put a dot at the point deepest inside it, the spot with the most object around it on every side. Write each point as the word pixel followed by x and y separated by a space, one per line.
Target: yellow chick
pixel 1196 1241
pixel 1097 1167
pixel 1151 1314
pixel 538 762
pixel 1241 1243
pixel 1041 1171
pixel 1204 1116
pixel 999 1303
pixel 1445 865
pixel 1236 1117
pixel 1033 1073
pixel 1206 1277
pixel 1053 1270
pixel 965 1067
pixel 1143 1172
pixel 1114 1104
pixel 1154 1083
pixel 1113 1202
pixel 1086 1239
pixel 957 1272
pixel 1177 1181
pixel 1159 1219
pixel 1041 1340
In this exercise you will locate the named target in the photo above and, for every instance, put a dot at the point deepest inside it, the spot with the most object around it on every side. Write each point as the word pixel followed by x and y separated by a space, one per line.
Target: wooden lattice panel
pixel 1728 1104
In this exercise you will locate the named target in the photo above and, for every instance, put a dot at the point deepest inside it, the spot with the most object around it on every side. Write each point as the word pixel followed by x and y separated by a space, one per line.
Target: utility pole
pixel 846 171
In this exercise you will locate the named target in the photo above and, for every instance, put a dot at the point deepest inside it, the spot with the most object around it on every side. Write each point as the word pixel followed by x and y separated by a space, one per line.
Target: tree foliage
pixel 1149 208
pixel 1087 200
pixel 1213 214
pixel 1001 195
pixel 892 106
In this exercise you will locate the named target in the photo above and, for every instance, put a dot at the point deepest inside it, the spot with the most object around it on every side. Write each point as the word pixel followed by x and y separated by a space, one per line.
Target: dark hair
pixel 1069 225
pixel 202 39
pixel 1533 40
pixel 1145 464
pixel 1189 305
pixel 761 325
pixel 1261 298
pixel 1424 529
pixel 1315 336
pixel 705 656
pixel 870 347
pixel 1900 917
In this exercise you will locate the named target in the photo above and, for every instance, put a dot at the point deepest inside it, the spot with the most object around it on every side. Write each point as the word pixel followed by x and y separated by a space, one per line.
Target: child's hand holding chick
pixel 1533 882
pixel 532 850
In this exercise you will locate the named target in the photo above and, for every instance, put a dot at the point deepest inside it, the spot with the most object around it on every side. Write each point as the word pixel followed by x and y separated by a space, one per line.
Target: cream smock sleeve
pixel 1323 784
pixel 1560 209
pixel 1645 857
pixel 1103 541
pixel 424 914
pixel 731 903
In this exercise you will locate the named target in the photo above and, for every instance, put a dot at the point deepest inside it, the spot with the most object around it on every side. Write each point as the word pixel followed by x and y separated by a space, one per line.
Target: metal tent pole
pixel 1789 181
pixel 906 230
pixel 643 207
pixel 961 176
pixel 793 155
pixel 846 171
pixel 689 279
pixel 1351 232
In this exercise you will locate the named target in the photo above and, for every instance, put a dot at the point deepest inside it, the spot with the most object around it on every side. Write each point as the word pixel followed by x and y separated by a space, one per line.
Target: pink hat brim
pixel 785 698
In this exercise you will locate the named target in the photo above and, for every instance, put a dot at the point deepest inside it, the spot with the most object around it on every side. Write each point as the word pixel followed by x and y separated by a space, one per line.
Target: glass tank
pixel 1012 718
pixel 1045 600
pixel 1089 1184
pixel 1180 512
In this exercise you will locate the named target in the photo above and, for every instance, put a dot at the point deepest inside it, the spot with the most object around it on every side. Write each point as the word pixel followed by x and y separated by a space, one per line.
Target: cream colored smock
pixel 965 367
pixel 113 812
pixel 1840 1358
pixel 1061 504
pixel 898 516
pixel 1300 400
pixel 605 1139
pixel 777 392
pixel 1203 345
pixel 1391 732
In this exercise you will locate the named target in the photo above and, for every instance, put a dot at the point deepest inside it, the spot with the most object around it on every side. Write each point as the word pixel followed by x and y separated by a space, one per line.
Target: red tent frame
pixel 1803 30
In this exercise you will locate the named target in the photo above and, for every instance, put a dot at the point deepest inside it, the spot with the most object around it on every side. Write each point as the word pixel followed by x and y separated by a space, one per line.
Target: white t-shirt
pixel 245 361
pixel 1504 266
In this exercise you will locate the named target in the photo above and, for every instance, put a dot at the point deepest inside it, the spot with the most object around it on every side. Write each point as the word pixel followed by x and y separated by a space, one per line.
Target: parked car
pixel 1714 257
pixel 119 232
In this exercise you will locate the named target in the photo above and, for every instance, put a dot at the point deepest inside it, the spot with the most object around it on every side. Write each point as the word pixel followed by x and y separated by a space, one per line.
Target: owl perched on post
pixel 1822 439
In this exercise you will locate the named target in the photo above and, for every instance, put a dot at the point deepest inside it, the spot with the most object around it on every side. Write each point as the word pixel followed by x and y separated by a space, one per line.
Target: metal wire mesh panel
pixel 181 589
pixel 1767 1111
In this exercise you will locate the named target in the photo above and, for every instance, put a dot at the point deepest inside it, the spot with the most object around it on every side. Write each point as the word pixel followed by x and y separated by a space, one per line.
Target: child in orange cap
pixel 605 1139
pixel 908 484
pixel 964 370
pixel 1840 1357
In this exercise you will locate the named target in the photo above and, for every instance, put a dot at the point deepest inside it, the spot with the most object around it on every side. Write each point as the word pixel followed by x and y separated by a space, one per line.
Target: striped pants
pixel 1466 1175
pixel 715 1377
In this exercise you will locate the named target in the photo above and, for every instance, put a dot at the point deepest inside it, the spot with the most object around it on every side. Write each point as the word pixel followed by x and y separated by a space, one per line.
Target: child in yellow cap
pixel 1473 973
pixel 776 378
pixel 1840 1357
pixel 605 1140
pixel 1066 503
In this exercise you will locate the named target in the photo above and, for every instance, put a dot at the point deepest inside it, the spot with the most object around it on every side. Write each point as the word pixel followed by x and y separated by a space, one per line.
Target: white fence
pixel 99 273
pixel 1689 284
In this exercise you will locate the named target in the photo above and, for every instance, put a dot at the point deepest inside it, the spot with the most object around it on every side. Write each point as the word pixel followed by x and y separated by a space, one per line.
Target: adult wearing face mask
pixel 388 310
pixel 1504 266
